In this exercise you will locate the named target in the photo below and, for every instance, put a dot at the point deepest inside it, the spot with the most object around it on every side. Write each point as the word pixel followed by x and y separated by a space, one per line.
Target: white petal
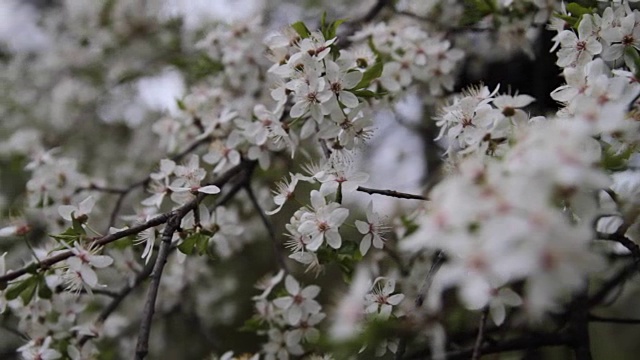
pixel 292 286
pixel 86 205
pixel 89 276
pixel 395 299
pixel 209 189
pixel 283 302
pixel 333 238
pixel 348 99
pixel 338 216
pixel 100 261
pixel 365 244
pixel 66 210
pixel 294 315
pixel 310 291
pixel 363 227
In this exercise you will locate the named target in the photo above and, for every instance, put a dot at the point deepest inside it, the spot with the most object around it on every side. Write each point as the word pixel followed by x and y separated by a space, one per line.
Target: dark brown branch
pixel 624 241
pixel 142 346
pixel 173 225
pixel 579 326
pixel 533 341
pixel 46 263
pixel 611 284
pixel 391 193
pixel 375 10
pixel 595 318
pixel 480 337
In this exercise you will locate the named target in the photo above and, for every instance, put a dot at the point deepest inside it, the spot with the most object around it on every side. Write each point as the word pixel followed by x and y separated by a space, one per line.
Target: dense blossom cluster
pixel 158 136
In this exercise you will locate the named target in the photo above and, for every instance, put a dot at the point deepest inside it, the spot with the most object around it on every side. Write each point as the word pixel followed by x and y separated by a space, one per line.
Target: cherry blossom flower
pixel 311 98
pixel 300 302
pixel 577 50
pixel 147 236
pixel 79 273
pixel 283 193
pixel 323 223
pixel 343 175
pixel 372 230
pixel 381 301
pixel 79 212
pixel 280 345
pixel 39 349
pixel 339 80
pixel 267 284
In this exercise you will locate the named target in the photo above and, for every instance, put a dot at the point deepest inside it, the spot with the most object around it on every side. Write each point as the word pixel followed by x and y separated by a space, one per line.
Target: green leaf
pixel 366 94
pixel 476 10
pixel 573 21
pixel 188 245
pixel 70 234
pixel 301 29
pixel 181 105
pixel 254 324
pixel 16 289
pixel 613 160
pixel 578 10
pixel 77 225
pixel 371 74
pixel 202 244
pixel 43 290
pixel 409 224
pixel 28 294
pixel 632 53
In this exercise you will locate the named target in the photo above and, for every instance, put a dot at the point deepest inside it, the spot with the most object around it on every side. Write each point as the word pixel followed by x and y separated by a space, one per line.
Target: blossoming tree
pixel 158 158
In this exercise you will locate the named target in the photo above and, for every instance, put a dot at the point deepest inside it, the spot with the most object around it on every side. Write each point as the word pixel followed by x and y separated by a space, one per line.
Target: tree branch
pixel 629 244
pixel 173 225
pixel 391 193
pixel 611 284
pixel 479 338
pixel 438 259
pixel 579 326
pixel 47 262
pixel 517 344
pixel 142 347
pixel 596 318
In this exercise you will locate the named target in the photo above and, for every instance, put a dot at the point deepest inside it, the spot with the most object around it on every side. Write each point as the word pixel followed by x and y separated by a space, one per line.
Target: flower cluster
pixel 149 108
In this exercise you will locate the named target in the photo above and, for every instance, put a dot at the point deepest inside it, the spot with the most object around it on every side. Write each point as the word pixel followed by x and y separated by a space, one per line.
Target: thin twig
pixel 438 259
pixel 120 296
pixel 595 318
pixel 478 344
pixel 523 343
pixel 612 284
pixel 391 193
pixel 269 226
